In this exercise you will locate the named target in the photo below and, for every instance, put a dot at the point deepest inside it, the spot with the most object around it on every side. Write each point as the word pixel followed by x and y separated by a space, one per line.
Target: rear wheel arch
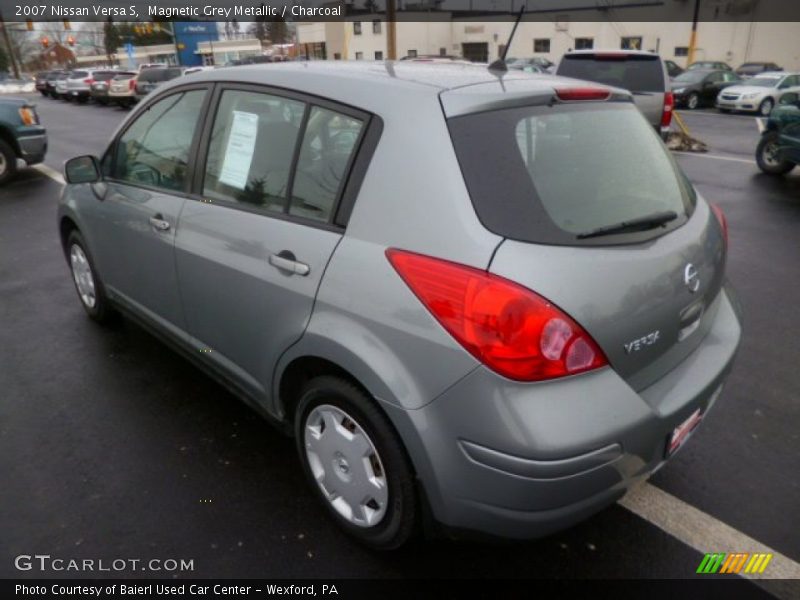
pixel 8 137
pixel 66 226
pixel 300 371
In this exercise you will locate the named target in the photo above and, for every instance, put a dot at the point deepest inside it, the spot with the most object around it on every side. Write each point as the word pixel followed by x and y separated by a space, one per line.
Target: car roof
pixel 775 74
pixel 611 51
pixel 352 82
pixel 708 70
pixel 395 88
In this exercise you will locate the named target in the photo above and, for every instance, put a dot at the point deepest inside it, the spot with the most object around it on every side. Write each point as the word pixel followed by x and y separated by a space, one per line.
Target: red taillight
pixel 510 329
pixel 131 84
pixel 669 104
pixel 582 93
pixel 90 81
pixel 723 222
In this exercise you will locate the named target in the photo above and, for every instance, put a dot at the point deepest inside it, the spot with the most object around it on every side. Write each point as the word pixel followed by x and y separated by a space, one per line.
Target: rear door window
pixel 252 146
pixel 634 72
pixel 329 143
pixel 552 174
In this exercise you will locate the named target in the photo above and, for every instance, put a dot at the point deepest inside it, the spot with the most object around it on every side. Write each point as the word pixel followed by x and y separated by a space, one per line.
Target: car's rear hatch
pixel 552 178
pixel 642 74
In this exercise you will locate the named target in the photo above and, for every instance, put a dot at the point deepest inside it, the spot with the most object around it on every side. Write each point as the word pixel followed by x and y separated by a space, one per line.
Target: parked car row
pixel 107 86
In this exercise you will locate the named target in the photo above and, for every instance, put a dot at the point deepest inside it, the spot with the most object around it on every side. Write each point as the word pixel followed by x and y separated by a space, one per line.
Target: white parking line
pixel 716 156
pixel 50 172
pixel 706 534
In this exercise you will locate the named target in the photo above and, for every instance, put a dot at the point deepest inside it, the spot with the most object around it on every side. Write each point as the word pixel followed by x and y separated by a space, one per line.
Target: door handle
pixel 158 223
pixel 285 261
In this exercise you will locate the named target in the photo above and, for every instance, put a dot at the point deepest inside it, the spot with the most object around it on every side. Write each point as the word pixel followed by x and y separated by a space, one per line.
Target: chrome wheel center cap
pixel 341 466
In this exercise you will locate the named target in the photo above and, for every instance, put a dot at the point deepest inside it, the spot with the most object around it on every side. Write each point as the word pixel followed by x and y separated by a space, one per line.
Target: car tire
pixel 8 162
pixel 692 101
pixel 365 459
pixel 88 285
pixel 766 159
pixel 766 107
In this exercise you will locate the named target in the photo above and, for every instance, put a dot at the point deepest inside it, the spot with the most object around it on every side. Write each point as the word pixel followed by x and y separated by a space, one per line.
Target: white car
pixel 79 85
pixel 759 94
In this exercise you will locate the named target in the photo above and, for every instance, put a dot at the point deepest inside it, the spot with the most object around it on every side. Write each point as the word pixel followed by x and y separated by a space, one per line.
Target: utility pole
pixel 11 55
pixel 693 38
pixel 391 30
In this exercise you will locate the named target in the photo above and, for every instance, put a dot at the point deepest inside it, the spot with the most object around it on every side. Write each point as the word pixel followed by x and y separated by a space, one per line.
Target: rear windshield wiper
pixel 639 224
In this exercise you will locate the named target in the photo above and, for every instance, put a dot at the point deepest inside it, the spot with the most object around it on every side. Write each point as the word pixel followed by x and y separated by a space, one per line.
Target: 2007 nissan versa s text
pixel 493 300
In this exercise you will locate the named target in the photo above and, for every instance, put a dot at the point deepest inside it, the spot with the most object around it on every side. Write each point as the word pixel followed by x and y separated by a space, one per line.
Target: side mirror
pixel 82 169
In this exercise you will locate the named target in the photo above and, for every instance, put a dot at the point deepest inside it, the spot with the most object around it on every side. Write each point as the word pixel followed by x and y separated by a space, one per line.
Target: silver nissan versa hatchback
pixel 489 299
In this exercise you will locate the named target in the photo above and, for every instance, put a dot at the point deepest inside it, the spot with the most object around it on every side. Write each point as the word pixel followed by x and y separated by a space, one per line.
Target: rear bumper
pixel 33 147
pixel 524 460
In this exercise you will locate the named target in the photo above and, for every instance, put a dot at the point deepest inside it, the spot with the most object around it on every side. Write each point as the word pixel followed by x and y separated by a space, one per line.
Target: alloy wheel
pixel 769 154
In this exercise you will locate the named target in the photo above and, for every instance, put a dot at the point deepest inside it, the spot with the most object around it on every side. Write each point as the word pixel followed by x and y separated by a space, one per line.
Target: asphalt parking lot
pixel 113 446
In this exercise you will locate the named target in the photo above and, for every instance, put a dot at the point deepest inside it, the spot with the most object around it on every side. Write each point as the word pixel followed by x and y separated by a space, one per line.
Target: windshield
pixel 550 174
pixel 690 77
pixel 761 81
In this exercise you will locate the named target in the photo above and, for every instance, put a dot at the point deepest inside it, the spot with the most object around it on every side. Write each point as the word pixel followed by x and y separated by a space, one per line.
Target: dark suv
pixel 778 151
pixel 150 79
pixel 21 136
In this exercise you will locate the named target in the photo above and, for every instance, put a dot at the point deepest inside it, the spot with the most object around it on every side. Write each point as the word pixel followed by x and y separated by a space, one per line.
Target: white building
pixel 364 37
pixel 224 51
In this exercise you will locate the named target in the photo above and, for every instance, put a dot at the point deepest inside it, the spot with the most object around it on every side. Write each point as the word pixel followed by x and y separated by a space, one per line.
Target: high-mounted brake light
pixel 509 328
pixel 610 55
pixel 582 93
pixel 666 115
pixel 723 222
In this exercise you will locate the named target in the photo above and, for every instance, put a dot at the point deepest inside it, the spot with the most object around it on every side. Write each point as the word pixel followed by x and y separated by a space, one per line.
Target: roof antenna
pixel 500 63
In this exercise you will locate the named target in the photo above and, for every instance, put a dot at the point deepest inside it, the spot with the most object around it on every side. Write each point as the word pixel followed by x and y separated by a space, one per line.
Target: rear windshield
pixel 104 75
pixel 552 174
pixel 123 76
pixel 634 72
pixel 159 74
pixel 78 74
